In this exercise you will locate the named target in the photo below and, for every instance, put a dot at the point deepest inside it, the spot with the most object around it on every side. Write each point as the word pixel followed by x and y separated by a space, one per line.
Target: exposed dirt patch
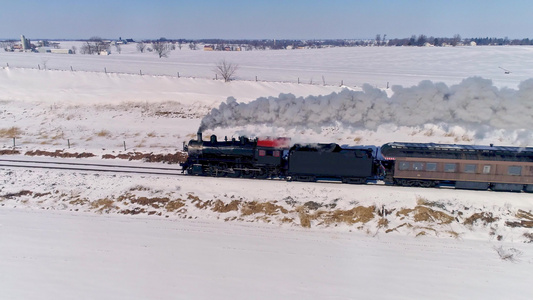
pixel 9 152
pixel 175 158
pixel 59 153
pixel 21 193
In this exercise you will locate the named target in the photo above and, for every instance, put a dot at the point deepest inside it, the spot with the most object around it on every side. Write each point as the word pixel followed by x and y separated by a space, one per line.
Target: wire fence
pixel 317 80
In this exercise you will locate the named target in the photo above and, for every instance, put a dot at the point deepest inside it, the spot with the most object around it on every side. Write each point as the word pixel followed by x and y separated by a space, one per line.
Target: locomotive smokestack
pixel 199 136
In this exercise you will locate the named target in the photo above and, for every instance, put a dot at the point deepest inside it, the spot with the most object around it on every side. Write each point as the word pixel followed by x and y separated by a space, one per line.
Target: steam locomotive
pixel 404 164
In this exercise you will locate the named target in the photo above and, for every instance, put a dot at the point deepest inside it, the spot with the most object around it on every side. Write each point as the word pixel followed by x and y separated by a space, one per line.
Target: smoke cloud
pixel 475 102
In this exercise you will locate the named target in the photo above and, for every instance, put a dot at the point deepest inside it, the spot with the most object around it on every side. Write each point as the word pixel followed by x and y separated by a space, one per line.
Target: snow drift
pixel 473 103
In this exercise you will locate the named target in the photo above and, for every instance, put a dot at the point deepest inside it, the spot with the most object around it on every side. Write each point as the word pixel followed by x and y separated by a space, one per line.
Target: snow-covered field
pixel 66 234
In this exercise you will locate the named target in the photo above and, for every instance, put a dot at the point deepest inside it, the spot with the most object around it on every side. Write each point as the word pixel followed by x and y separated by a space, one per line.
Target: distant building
pixel 61 51
pixel 209 48
pixel 25 43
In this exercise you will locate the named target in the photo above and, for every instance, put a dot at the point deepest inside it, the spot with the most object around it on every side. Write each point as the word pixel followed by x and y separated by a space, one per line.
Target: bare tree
pixel 141 47
pixel 94 45
pixel 74 49
pixel 118 48
pixel 192 46
pixel 7 45
pixel 161 48
pixel 226 70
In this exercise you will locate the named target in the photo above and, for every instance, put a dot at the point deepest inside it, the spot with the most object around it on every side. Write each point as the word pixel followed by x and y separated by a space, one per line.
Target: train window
pixel 470 168
pixel 486 169
pixel 275 153
pixel 514 170
pixel 418 166
pixel 404 166
pixel 262 153
pixel 432 167
pixel 449 167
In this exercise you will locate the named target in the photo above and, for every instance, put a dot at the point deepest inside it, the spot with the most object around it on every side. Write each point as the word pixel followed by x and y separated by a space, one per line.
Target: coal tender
pixel 331 161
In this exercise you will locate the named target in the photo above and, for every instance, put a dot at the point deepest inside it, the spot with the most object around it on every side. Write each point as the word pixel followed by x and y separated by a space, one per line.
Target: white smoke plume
pixel 475 102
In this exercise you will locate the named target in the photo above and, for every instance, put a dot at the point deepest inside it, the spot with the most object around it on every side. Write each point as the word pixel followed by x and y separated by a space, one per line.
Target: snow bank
pixel 87 88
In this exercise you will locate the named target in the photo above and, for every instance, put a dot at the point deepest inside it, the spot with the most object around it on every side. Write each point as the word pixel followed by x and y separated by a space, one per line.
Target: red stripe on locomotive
pixel 274 143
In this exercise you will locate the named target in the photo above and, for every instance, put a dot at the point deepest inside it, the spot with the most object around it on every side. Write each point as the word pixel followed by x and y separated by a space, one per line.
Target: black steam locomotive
pixel 274 158
pixel 404 164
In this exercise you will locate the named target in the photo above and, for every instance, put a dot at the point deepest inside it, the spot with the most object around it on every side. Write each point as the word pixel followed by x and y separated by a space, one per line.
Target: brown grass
pixel 486 218
pixel 174 205
pixel 383 223
pixel 267 208
pixel 221 207
pixel 425 214
pixel 103 133
pixel 155 202
pixel 11 132
pixel 359 214
pixel 104 205
pixel 521 214
pixel 399 226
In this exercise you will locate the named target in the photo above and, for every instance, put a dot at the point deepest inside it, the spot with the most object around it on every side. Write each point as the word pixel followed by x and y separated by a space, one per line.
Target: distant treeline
pixel 420 40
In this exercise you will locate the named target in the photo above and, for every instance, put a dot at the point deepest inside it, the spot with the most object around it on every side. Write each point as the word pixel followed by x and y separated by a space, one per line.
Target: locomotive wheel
pixel 263 174
pixel 234 174
pixel 247 174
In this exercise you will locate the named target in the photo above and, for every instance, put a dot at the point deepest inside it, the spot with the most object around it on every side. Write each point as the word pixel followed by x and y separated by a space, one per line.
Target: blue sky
pixel 272 19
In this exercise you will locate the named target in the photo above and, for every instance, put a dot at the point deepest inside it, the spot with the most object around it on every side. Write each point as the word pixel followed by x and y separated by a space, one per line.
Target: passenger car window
pixel 403 166
pixel 514 170
pixel 432 167
pixel 418 166
pixel 449 167
pixel 486 169
pixel 470 168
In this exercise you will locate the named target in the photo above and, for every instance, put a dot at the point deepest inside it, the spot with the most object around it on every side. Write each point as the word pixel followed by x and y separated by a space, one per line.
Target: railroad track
pixel 92 167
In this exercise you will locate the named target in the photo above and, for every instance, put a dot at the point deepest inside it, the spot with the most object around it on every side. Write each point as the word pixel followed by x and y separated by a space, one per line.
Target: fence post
pixel 7 65
pixel 298 80
pixel 216 76
pixel 256 78
pixel 105 70
pixel 13 143
pixel 141 72
pixel 68 141
pixel 39 66
pixel 342 82
pixel 387 84
pixel 178 74
pixel 124 145
pixel 71 68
